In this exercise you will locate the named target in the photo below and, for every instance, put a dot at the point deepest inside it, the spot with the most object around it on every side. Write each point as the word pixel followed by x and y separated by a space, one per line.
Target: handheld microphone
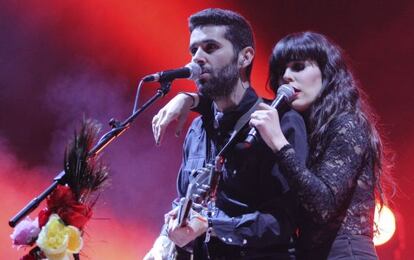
pixel 284 96
pixel 191 71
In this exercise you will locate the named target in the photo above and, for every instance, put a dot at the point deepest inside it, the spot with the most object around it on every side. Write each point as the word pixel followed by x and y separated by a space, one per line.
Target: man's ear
pixel 246 57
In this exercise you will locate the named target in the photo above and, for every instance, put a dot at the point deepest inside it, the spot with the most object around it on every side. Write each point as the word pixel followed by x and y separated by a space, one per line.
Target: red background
pixel 61 60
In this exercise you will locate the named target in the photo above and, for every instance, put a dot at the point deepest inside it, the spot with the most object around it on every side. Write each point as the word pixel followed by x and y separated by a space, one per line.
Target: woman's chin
pixel 299 106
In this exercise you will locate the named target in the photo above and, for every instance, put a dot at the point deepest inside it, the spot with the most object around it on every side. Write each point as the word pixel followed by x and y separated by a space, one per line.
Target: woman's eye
pixel 298 66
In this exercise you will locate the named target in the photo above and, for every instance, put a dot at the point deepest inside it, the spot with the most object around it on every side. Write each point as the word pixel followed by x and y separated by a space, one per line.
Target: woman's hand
pixel 266 122
pixel 177 109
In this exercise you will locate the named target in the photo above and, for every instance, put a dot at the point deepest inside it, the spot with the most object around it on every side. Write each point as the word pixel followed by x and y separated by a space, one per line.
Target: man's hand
pixel 177 109
pixel 163 245
pixel 195 227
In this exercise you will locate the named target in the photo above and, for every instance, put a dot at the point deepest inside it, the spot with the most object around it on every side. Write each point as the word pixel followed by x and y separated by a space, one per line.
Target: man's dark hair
pixel 239 32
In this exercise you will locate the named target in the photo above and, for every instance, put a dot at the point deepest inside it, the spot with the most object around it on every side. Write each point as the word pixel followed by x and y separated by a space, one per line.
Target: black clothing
pixel 336 193
pixel 355 247
pixel 255 216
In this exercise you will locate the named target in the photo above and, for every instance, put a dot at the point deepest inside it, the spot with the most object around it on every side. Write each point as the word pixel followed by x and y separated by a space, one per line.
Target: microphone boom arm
pixel 118 128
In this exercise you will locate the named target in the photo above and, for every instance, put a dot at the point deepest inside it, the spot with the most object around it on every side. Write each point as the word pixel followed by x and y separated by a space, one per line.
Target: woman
pixel 338 186
pixel 341 181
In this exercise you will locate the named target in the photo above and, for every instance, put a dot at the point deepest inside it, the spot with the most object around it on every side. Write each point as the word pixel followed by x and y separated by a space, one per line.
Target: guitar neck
pixel 184 211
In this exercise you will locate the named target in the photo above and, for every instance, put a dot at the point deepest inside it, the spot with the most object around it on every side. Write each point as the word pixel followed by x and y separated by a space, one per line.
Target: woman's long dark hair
pixel 339 95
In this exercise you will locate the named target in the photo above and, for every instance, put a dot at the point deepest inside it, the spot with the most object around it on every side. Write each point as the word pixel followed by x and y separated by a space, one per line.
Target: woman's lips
pixel 297 91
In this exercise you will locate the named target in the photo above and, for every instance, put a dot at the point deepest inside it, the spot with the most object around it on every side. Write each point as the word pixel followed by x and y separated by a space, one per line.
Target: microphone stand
pixel 118 128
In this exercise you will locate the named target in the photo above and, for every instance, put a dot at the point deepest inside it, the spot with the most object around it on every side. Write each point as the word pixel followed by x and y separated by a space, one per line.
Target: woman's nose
pixel 287 76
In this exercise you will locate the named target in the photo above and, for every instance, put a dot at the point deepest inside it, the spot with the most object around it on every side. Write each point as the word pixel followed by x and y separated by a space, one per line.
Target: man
pixel 254 208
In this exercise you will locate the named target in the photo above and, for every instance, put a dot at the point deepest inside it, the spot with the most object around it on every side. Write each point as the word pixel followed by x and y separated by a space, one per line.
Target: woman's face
pixel 306 79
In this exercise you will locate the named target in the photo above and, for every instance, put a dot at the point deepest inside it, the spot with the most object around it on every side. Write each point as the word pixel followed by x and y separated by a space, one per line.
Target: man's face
pixel 217 59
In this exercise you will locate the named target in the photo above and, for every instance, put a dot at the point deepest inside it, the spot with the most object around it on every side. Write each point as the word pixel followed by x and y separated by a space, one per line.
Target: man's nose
pixel 199 57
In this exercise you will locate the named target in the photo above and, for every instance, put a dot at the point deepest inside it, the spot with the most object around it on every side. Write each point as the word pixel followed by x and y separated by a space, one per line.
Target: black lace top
pixel 336 192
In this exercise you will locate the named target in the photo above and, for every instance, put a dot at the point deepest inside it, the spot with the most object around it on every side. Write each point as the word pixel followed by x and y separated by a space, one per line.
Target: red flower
pixel 63 202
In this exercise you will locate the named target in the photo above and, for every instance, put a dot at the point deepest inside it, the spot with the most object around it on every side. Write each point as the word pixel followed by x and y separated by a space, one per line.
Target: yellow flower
pixel 58 241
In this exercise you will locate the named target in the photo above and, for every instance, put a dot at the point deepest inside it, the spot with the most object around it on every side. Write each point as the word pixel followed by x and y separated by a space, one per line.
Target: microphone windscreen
pixel 287 91
pixel 195 70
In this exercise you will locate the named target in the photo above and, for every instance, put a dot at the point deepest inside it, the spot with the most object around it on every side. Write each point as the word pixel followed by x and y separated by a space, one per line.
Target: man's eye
pixel 210 47
pixel 298 66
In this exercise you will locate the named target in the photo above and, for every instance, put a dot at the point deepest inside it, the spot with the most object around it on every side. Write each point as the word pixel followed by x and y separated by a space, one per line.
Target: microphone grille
pixel 287 91
pixel 195 70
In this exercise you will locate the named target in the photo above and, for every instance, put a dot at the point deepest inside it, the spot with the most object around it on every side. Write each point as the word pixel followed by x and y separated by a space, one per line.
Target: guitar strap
pixel 177 253
pixel 211 154
pixel 243 120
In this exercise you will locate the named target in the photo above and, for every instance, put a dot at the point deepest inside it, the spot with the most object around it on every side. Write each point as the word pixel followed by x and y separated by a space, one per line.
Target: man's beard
pixel 221 83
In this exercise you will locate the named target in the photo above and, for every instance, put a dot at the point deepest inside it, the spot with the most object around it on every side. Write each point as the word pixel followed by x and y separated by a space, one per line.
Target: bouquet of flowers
pixel 56 233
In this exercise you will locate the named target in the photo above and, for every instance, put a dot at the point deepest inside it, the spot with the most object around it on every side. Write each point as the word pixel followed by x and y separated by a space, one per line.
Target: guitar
pixel 196 197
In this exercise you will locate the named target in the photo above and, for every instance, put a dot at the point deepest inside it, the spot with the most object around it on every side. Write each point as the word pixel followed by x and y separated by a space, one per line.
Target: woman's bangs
pixel 297 49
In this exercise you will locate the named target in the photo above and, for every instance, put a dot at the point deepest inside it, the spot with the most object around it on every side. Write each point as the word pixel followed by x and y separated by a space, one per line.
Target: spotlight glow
pixel 385 225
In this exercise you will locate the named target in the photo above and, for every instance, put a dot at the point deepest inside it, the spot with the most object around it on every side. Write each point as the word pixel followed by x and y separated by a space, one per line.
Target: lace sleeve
pixel 324 191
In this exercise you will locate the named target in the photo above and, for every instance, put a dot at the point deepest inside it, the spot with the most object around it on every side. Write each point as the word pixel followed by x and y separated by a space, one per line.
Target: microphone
pixel 191 71
pixel 284 96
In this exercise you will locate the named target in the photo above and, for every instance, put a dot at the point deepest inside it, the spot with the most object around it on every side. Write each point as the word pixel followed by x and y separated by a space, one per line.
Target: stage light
pixel 384 225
